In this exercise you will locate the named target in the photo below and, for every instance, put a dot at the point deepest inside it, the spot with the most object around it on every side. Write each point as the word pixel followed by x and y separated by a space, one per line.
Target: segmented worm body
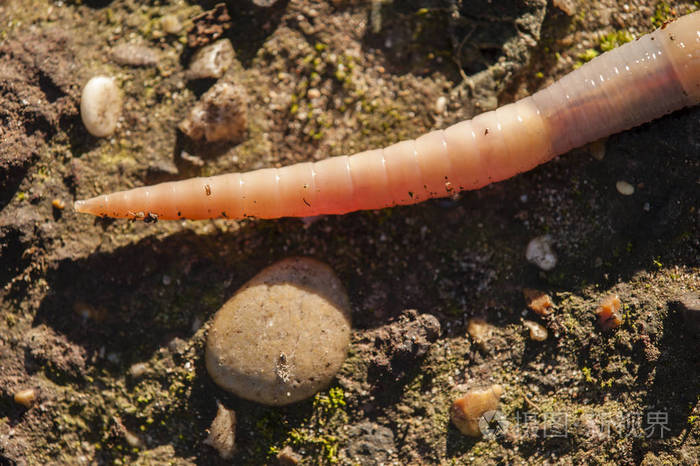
pixel 635 83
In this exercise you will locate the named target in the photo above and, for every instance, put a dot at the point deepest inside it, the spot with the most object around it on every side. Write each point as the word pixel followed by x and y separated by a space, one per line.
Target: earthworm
pixel 642 80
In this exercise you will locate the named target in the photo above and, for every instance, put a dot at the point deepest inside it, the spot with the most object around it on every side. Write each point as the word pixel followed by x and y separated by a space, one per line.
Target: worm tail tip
pixel 85 207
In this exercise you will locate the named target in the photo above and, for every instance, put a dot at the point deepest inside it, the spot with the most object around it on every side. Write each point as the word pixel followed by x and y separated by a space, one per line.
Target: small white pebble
pixel 646 207
pixel 100 106
pixel 167 280
pixel 540 253
pixel 441 105
pixel 624 188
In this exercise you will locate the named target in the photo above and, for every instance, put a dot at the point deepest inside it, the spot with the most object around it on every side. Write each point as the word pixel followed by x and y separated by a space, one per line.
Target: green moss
pixel 614 39
pixel 662 14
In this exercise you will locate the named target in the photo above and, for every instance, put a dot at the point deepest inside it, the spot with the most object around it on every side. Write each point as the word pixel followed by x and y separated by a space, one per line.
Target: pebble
pixel 537 331
pixel 220 115
pixel 138 370
pixel 540 253
pixel 171 24
pixel 283 336
pixel 480 331
pixel 211 61
pixel 539 302
pixel 441 105
pixel 468 410
pixel 25 397
pixel 134 55
pixel 100 106
pixel 608 312
pixel 222 433
pixel 624 188
pixel 567 6
pixel 288 457
pixel 58 204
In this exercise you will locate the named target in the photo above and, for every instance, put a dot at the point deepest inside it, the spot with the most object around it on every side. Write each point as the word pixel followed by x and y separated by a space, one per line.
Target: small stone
pixel 567 6
pixel 134 55
pixel 25 397
pixel 689 305
pixel 480 331
pixel 597 149
pixel 138 370
pixel 100 106
pixel 540 253
pixel 537 331
pixel 288 457
pixel 211 61
pixel 283 336
pixel 468 410
pixel 624 188
pixel 539 302
pixel 58 204
pixel 220 115
pixel 441 105
pixel 222 433
pixel 171 24
pixel 608 312
pixel 264 3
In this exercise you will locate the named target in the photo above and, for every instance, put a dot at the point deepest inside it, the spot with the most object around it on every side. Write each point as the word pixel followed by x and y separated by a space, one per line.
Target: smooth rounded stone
pixel 220 115
pixel 100 106
pixel 283 336
pixel 211 61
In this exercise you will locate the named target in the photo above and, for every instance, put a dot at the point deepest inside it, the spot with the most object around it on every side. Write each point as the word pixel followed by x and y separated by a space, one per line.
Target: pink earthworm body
pixel 635 83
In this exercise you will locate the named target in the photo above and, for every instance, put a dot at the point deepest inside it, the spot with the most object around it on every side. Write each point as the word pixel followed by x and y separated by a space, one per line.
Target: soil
pixel 106 320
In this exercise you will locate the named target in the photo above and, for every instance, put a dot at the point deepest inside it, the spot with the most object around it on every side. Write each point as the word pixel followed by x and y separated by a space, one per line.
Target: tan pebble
pixel 466 411
pixel 138 370
pixel 171 24
pixel 624 188
pixel 58 204
pixel 608 312
pixel 567 6
pixel 283 336
pixel 211 61
pixel 132 439
pixel 480 331
pixel 134 55
pixel 537 331
pixel 288 457
pixel 222 433
pixel 25 397
pixel 597 149
pixel 220 115
pixel 539 302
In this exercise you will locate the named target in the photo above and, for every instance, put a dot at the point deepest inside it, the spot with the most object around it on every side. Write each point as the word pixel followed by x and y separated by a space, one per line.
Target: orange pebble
pixel 538 301
pixel 608 312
